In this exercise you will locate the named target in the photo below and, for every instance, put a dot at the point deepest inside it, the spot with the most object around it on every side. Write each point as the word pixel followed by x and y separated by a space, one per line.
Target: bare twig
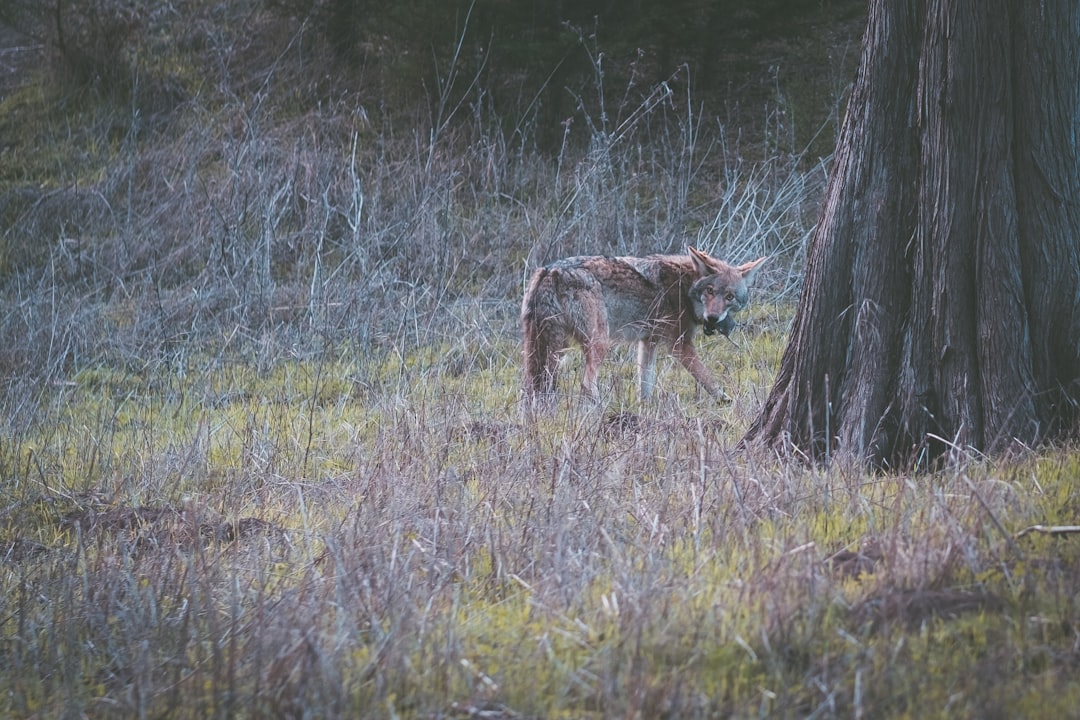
pixel 1049 530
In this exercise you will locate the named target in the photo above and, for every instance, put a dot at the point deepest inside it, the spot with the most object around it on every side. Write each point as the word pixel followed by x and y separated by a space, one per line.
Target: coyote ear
pixel 748 270
pixel 702 262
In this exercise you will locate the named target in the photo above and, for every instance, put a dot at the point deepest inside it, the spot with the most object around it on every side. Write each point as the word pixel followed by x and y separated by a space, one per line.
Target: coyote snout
pixel 653 300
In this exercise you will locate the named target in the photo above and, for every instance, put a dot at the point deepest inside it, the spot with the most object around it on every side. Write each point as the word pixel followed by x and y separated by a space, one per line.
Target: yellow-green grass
pixel 429 549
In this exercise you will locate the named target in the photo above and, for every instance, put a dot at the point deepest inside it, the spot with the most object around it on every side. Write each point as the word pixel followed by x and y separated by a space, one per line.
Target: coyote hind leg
pixel 544 343
pixel 595 351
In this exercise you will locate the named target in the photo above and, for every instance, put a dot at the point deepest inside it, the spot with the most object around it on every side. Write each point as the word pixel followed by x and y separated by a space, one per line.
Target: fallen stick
pixel 1049 530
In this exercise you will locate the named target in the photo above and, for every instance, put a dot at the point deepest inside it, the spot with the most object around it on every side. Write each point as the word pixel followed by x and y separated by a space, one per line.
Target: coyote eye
pixel 730 297
pixel 708 291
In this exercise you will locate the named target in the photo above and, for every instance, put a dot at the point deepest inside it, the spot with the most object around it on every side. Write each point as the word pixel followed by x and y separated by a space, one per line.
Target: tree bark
pixel 941 303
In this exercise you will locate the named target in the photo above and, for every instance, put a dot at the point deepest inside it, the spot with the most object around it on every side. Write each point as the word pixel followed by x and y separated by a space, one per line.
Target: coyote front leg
pixel 687 354
pixel 646 367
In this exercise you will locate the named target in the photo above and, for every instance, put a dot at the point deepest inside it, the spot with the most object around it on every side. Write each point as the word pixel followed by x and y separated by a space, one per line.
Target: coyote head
pixel 719 291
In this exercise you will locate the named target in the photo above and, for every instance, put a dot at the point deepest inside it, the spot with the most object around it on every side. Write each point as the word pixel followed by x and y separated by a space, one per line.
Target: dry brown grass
pixel 426 552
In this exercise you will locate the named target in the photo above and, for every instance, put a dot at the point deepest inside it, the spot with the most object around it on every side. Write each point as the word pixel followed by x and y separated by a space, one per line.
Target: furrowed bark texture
pixel 941 304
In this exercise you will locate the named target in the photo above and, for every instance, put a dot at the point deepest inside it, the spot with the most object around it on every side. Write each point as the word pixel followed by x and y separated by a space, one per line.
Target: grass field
pixel 262 452
pixel 388 536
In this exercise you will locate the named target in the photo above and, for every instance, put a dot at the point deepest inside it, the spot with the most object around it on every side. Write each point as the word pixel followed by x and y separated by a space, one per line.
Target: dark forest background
pixel 534 60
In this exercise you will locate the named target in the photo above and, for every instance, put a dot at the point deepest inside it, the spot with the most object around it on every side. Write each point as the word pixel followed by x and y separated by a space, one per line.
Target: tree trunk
pixel 941 304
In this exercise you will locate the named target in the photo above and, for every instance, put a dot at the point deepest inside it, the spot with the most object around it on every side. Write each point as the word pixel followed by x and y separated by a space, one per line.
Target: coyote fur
pixel 653 300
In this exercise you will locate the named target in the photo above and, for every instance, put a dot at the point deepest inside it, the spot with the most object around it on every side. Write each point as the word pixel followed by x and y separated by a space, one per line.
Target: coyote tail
pixel 537 335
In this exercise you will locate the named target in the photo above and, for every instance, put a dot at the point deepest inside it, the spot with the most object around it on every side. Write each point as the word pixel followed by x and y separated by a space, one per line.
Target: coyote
pixel 652 300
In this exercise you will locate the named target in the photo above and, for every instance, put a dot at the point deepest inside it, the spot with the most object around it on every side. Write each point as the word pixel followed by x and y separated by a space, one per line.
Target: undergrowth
pixel 324 538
